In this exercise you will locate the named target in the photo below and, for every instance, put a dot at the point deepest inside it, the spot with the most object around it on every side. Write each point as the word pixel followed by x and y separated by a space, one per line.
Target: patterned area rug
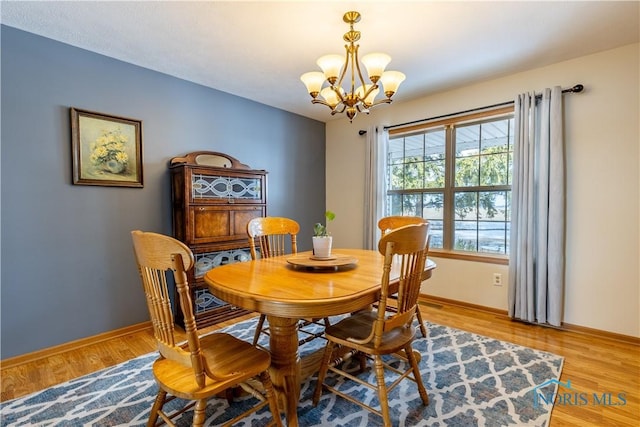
pixel 471 380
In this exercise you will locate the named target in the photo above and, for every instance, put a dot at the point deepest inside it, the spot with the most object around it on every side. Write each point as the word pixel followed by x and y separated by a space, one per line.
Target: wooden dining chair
pixel 389 223
pixel 201 367
pixel 275 236
pixel 379 332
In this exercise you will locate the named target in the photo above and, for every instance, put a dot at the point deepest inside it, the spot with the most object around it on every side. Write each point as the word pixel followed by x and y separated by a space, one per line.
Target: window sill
pixel 467 256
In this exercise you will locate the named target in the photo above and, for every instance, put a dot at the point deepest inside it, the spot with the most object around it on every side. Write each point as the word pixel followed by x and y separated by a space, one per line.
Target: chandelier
pixel 351 100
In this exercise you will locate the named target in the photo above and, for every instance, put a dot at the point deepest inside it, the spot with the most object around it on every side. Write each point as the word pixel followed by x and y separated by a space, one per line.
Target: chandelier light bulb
pixel 375 63
pixel 313 81
pixel 390 81
pixel 331 66
pixel 330 96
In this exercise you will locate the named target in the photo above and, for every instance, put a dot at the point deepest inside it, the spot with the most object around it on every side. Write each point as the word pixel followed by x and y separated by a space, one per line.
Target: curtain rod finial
pixel 577 88
pixel 361 132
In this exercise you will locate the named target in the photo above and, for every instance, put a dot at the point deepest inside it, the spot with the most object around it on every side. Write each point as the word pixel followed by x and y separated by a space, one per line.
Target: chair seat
pixel 358 326
pixel 225 355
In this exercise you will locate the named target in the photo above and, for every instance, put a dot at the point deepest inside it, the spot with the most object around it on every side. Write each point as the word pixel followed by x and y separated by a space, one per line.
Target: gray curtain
pixel 536 255
pixel 374 183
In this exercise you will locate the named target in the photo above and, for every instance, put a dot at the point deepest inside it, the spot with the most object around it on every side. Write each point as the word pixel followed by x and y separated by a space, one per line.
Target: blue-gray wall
pixel 68 270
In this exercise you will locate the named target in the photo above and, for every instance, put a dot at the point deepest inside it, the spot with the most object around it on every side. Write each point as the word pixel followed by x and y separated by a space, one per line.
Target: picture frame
pixel 106 149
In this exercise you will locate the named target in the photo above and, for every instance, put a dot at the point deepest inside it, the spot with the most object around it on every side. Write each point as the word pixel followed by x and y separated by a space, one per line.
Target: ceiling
pixel 259 49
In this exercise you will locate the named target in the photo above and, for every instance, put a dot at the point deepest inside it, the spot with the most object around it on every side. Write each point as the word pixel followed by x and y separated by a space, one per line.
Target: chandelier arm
pixel 367 93
pixel 338 92
pixel 381 101
pixel 336 86
pixel 354 66
pixel 339 111
pixel 321 102
pixel 356 61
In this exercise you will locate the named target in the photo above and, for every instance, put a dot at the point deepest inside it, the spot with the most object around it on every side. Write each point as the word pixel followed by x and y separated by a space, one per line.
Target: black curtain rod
pixel 576 89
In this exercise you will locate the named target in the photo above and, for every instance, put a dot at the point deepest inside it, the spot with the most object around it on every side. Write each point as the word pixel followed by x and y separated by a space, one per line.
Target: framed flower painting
pixel 107 150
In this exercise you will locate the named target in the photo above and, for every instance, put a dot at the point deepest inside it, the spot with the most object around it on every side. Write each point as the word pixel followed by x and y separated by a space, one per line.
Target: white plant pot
pixel 322 246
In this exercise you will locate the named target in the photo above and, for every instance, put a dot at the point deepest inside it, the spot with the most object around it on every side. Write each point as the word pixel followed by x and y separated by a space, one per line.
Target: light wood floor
pixel 593 364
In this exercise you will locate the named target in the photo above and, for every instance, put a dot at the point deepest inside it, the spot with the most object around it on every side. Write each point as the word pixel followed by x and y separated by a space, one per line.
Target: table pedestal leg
pixel 285 364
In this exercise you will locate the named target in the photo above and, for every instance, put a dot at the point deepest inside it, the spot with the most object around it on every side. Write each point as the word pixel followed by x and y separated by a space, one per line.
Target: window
pixel 457 174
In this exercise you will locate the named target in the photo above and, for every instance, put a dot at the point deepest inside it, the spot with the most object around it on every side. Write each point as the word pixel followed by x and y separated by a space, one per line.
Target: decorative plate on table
pixel 335 260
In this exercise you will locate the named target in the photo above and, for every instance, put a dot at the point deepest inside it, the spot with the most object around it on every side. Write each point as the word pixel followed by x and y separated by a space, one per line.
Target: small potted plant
pixel 321 238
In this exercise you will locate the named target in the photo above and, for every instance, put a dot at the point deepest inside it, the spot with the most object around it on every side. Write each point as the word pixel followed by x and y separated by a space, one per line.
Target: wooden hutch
pixel 214 196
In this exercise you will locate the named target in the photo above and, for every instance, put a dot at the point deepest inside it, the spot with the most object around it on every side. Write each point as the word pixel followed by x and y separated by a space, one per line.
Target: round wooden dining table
pixel 286 289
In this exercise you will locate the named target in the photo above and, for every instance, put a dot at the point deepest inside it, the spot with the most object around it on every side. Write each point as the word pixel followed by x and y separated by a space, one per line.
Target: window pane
pixel 467 171
pixel 492 205
pixel 465 236
pixel 467 140
pixel 491 237
pixel 394 204
pixel 414 148
pixel 435 144
pixel 414 175
pixel 465 205
pixel 493 169
pixel 466 214
pixel 495 137
pixel 412 204
pixel 434 174
pixel 433 206
pixel 395 151
pixel 432 211
pixel 396 177
pixel 435 231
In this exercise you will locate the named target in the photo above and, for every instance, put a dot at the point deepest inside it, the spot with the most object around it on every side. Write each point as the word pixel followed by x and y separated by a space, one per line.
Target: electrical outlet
pixel 497 279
